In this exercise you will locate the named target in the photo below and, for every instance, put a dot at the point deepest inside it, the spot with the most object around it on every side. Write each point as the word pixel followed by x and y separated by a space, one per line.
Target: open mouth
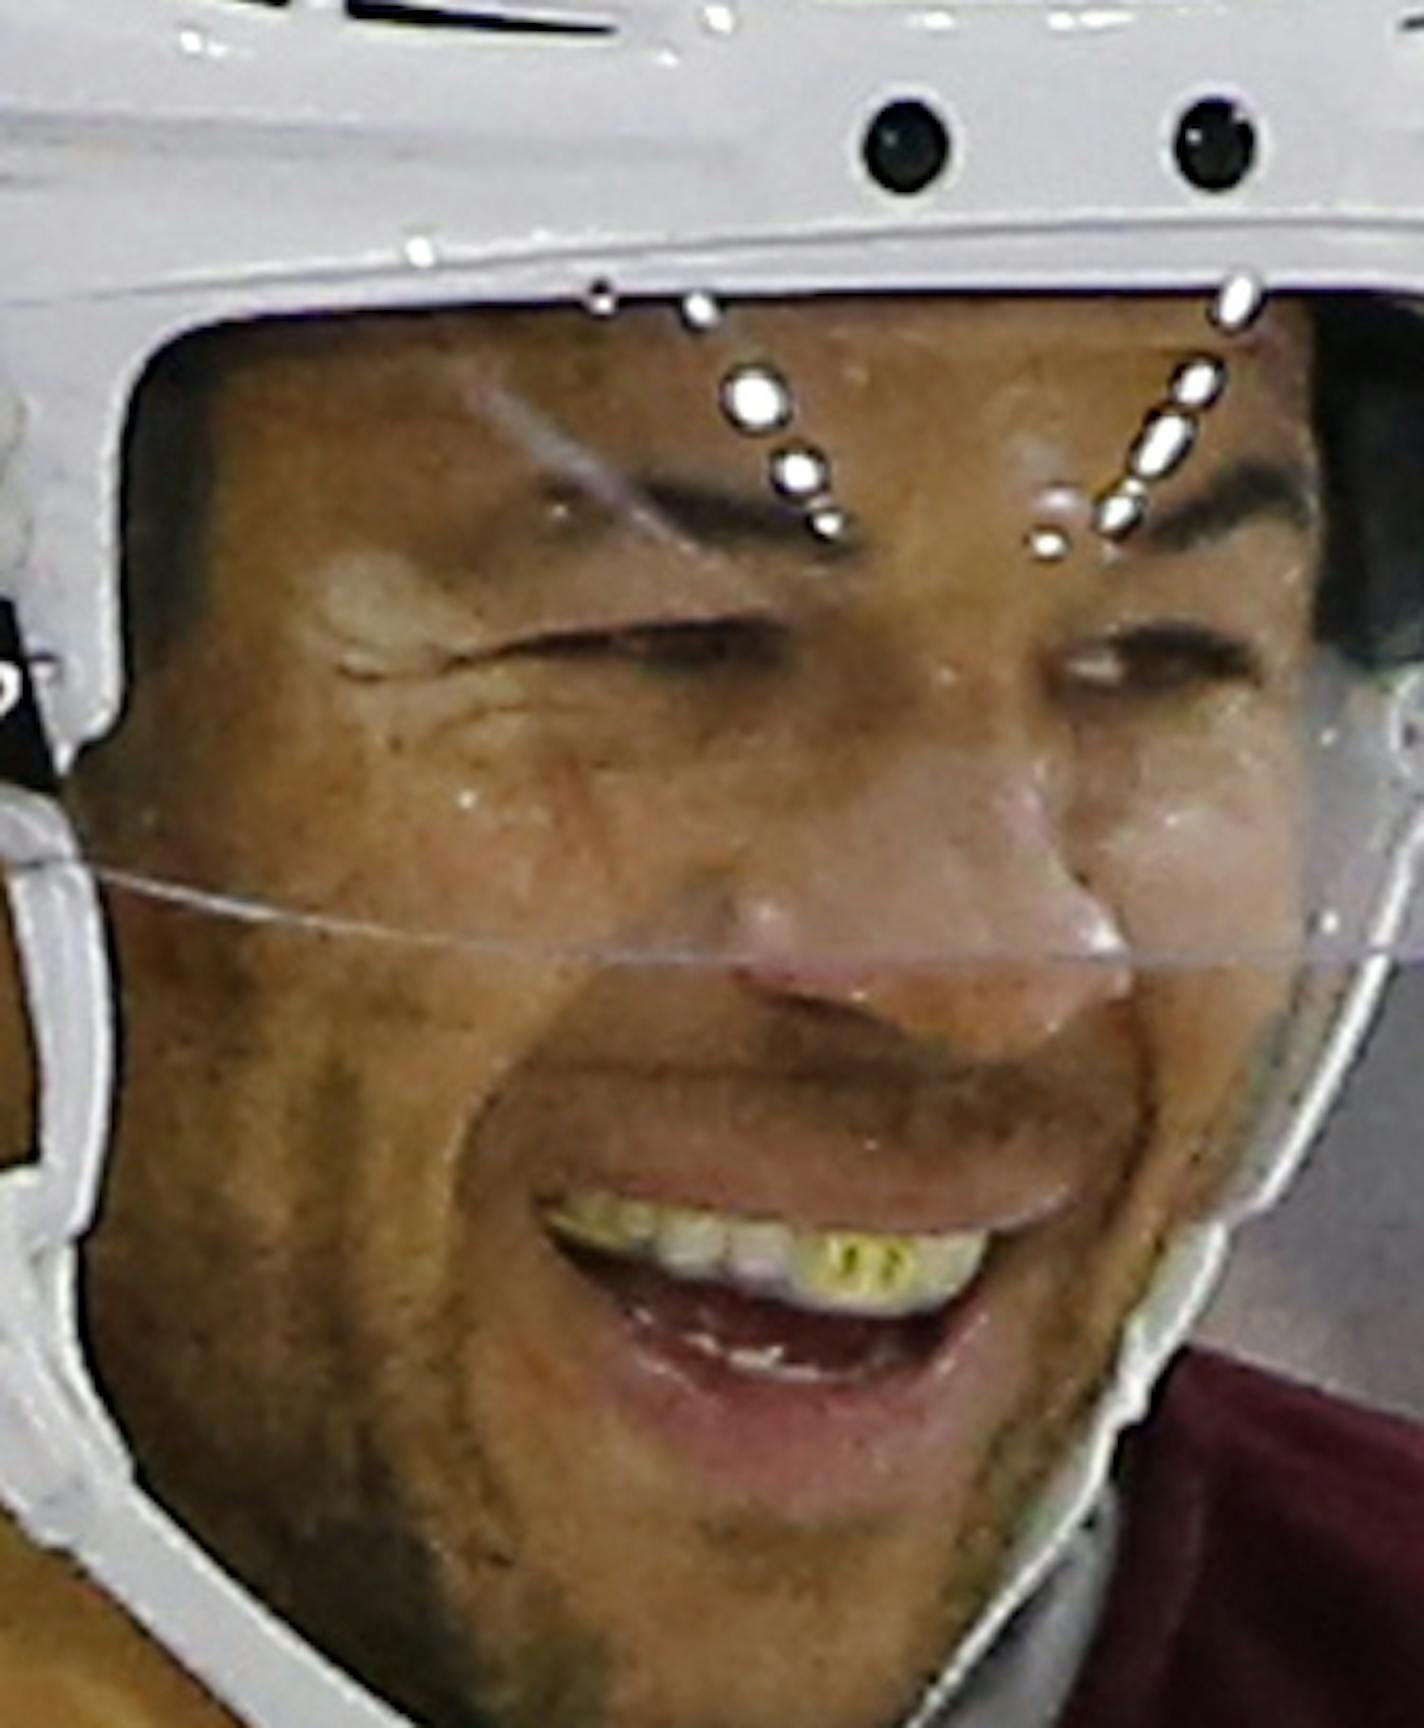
pixel 760 1299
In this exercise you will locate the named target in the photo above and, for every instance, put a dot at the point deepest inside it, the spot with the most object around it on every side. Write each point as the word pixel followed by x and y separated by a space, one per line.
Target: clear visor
pixel 700 894
pixel 842 640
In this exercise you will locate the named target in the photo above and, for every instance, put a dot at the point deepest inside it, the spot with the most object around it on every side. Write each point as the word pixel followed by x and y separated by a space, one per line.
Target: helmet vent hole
pixel 906 147
pixel 1216 145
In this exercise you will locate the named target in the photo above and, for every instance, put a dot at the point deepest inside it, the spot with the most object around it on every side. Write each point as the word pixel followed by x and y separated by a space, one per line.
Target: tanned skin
pixel 321 1296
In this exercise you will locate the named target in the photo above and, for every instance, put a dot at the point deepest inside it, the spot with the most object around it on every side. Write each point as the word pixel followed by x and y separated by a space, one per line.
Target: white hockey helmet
pixel 178 166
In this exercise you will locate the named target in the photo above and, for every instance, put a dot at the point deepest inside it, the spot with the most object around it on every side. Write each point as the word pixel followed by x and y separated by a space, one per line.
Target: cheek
pixel 476 875
pixel 1205 876
pixel 1193 831
pixel 299 1105
pixel 536 849
pixel 438 812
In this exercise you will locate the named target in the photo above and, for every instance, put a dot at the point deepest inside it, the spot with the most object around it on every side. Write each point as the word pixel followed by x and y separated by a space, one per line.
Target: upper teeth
pixel 832 1271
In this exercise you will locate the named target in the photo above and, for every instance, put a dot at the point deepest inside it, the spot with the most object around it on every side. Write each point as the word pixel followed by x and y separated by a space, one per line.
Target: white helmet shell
pixel 170 167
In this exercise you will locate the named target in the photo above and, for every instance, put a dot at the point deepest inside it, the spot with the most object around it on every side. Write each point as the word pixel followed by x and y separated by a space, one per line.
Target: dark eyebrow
pixel 1243 491
pixel 719 517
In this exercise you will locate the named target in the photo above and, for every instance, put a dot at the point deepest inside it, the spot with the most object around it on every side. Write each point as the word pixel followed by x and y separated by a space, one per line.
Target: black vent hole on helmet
pixel 486 19
pixel 1217 145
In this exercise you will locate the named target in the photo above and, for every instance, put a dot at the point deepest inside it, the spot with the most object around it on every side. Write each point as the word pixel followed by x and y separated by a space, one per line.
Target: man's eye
pixel 670 646
pixel 1157 660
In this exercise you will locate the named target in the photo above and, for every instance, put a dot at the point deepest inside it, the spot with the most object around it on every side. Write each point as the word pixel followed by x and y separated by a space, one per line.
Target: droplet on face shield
pixel 1120 511
pixel 829 522
pixel 1062 501
pixel 1165 443
pixel 1326 923
pixel 800 472
pixel 756 399
pixel 1239 303
pixel 1198 384
pixel 701 311
pixel 1100 666
pixel 601 300
pixel 1049 545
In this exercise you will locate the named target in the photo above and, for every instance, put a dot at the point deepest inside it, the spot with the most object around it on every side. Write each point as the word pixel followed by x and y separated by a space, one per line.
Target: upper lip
pixel 825 1122
pixel 818 1193
pixel 760 1154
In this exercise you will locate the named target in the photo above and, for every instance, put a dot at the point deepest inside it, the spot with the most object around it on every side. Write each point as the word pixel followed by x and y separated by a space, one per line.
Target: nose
pixel 933 895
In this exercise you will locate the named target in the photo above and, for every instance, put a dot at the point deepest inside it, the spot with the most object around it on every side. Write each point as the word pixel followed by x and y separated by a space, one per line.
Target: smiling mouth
pixel 763 1299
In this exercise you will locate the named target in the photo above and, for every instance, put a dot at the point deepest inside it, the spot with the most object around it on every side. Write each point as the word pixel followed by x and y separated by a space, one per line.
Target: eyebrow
pixel 1251 489
pixel 725 518
pixel 717 514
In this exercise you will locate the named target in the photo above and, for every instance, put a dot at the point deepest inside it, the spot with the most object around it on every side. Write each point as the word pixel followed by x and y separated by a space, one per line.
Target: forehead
pixel 949 371
pixel 948 424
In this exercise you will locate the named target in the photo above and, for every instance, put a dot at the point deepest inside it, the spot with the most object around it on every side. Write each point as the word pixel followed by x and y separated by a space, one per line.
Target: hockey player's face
pixel 628 1238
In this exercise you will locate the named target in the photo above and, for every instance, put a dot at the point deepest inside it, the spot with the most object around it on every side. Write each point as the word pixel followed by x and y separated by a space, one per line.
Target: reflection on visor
pixel 847 635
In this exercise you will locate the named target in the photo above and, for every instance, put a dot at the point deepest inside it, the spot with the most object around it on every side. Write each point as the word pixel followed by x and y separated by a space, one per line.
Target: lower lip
pixel 813 1449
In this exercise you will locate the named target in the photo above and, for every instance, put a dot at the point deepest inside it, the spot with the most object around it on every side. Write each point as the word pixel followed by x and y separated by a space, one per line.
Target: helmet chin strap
pixel 65 1472
pixel 52 1426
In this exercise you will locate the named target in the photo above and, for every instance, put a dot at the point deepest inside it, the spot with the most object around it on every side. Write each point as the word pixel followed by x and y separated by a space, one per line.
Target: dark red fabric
pixel 1272 1565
